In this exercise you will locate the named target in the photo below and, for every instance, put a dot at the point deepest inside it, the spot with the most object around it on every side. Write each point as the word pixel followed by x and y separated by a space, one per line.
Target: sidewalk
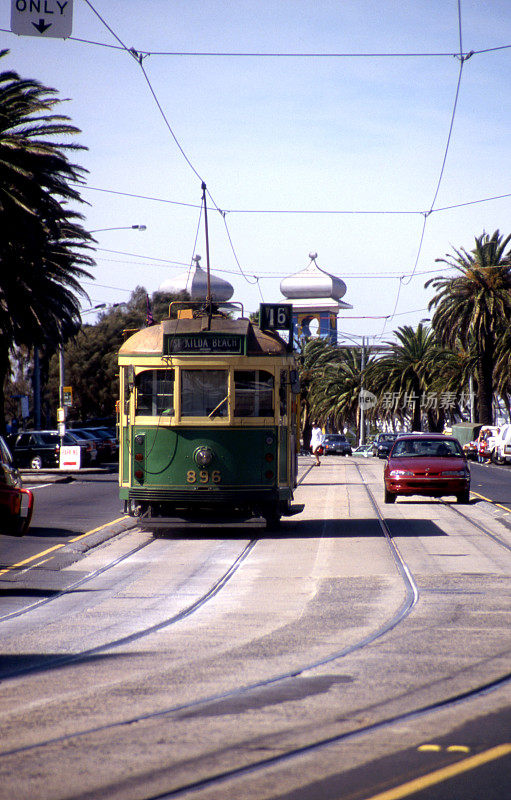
pixel 56 475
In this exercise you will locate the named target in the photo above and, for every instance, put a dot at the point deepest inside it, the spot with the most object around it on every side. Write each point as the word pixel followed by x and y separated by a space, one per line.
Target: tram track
pixel 479 527
pixel 76 584
pixel 86 654
pixel 63 660
pixel 223 777
pixel 411 596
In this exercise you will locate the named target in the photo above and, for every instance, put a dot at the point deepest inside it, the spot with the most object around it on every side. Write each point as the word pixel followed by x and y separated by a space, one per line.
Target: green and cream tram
pixel 208 420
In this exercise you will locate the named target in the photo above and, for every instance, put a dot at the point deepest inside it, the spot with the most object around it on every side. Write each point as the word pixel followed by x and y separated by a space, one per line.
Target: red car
pixel 427 464
pixel 15 514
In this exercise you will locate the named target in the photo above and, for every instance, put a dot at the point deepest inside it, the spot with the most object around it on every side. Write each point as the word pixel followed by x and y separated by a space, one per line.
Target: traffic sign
pixel 42 18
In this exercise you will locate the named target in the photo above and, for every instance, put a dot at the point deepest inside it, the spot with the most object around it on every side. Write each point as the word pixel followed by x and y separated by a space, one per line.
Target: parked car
pixel 364 450
pixel 88 449
pixel 16 503
pixel 35 449
pixel 382 445
pixel 487 441
pixel 433 465
pixel 102 448
pixel 336 443
pixel 39 449
pixel 502 450
pixel 110 447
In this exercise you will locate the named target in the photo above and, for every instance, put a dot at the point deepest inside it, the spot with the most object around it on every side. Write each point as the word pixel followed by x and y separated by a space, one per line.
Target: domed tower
pixel 316 298
pixel 195 282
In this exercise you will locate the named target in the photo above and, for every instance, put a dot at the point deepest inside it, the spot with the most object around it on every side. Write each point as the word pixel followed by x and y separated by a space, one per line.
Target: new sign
pixel 42 17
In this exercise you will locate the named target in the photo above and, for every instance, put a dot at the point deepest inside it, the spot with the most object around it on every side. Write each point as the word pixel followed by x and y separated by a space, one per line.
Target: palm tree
pixel 474 306
pixel 41 241
pixel 335 390
pixel 316 353
pixel 404 373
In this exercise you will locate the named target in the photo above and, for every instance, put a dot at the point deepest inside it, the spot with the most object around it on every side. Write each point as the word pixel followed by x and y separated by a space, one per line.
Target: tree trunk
pixel 5 367
pixel 485 384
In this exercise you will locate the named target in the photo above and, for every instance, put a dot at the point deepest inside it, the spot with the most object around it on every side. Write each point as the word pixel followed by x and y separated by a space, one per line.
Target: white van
pixel 502 447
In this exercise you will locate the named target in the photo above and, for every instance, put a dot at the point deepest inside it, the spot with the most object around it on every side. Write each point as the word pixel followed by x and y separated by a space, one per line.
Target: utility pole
pixel 61 412
pixel 361 439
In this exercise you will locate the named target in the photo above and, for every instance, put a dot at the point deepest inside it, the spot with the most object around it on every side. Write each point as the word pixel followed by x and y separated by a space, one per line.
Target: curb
pixel 34 476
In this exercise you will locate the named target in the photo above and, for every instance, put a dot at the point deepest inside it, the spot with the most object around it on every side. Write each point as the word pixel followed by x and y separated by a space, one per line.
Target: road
pixel 342 658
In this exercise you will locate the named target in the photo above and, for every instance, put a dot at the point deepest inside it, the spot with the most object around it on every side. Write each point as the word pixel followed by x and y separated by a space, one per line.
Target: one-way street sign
pixel 42 18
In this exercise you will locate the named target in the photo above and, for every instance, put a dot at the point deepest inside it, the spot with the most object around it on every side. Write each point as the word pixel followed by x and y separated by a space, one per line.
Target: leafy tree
pixel 474 307
pixel 90 357
pixel 42 244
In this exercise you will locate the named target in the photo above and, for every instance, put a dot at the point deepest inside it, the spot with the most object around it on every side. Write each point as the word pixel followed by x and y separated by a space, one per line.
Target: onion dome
pixel 313 282
pixel 195 282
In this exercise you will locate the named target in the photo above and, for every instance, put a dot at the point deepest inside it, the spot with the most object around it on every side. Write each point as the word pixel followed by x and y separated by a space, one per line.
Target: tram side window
pixel 253 393
pixel 204 393
pixel 155 393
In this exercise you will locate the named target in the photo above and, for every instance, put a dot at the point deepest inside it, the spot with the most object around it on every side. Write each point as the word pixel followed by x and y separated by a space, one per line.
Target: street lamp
pixel 122 228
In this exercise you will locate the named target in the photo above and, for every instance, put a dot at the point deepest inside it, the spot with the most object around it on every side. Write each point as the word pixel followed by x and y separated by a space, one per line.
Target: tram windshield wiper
pixel 217 408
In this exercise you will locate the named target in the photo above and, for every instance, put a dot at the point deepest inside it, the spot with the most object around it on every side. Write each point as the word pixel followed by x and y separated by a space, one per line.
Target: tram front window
pixel 204 393
pixel 253 393
pixel 155 393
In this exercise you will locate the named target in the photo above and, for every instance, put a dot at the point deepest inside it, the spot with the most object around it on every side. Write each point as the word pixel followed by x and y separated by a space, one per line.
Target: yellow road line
pixel 32 558
pixel 95 530
pixel 58 546
pixel 439 775
pixel 488 500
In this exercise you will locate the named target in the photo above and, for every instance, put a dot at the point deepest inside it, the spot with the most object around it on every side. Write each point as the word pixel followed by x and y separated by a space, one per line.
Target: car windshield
pixel 334 437
pixel 424 447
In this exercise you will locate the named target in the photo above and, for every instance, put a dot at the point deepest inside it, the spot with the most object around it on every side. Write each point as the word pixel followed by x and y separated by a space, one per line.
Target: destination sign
pixel 210 343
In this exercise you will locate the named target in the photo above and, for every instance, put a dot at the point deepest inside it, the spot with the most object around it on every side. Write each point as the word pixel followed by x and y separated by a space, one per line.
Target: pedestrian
pixel 481 445
pixel 316 443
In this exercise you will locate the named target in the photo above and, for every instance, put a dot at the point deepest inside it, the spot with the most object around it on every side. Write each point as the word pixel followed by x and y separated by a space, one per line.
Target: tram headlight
pixel 203 456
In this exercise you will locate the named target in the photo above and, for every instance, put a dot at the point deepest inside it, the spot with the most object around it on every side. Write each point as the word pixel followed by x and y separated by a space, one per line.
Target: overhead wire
pixel 405 280
pixel 275 54
pixel 307 211
pixel 139 56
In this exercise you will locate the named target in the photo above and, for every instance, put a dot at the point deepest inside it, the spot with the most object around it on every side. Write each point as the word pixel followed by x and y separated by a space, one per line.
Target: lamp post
pixel 121 228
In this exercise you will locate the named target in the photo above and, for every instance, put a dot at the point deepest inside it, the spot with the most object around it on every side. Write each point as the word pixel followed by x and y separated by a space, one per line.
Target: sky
pixel 346 131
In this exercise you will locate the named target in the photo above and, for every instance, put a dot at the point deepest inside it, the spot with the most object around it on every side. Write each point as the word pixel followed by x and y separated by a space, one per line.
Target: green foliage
pixel 43 248
pixel 90 358
pixel 473 308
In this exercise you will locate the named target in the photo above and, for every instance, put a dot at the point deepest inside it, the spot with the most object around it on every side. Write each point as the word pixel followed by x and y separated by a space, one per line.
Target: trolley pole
pixel 208 297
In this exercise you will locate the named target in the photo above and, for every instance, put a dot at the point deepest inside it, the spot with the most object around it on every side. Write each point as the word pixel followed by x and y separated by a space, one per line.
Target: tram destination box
pixel 207 342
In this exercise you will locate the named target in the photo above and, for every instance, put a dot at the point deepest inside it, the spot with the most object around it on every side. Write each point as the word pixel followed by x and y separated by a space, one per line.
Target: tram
pixel 208 418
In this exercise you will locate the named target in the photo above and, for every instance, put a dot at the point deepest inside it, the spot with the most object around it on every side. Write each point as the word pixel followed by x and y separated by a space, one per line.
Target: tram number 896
pixel 203 476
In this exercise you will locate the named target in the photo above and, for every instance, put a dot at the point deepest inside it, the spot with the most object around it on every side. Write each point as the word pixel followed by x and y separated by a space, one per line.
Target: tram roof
pixel 150 340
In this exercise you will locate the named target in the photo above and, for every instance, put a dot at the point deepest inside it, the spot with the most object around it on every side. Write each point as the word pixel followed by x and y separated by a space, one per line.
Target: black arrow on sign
pixel 41 26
